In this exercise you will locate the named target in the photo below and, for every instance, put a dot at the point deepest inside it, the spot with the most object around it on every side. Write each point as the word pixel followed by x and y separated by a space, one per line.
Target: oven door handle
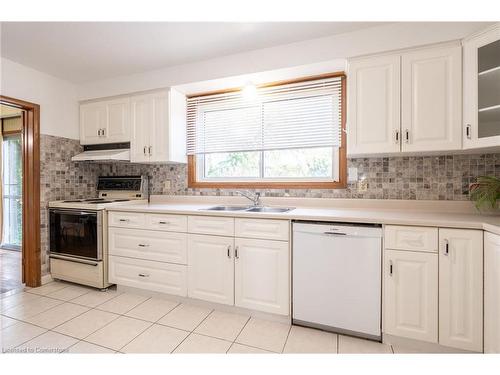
pixel 73 212
pixel 74 260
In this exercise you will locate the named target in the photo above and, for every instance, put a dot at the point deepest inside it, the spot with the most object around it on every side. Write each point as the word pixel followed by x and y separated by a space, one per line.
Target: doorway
pixel 20 258
pixel 11 123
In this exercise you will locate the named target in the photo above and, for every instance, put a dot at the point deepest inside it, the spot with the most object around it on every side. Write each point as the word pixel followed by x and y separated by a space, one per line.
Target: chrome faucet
pixel 254 197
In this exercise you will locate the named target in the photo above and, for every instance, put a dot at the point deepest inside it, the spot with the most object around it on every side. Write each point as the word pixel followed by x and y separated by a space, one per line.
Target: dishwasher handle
pixel 335 233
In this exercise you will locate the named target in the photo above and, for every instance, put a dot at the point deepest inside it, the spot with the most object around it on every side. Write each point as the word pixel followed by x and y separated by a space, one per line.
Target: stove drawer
pixel 173 223
pixel 127 219
pixel 144 274
pixel 148 245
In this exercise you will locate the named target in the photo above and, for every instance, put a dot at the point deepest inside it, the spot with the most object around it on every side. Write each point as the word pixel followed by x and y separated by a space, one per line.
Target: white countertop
pixel 350 215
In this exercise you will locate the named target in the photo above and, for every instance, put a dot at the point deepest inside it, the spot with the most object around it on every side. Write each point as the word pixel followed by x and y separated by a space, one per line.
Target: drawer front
pixel 144 274
pixel 148 245
pixel 173 223
pixel 221 226
pixel 78 272
pixel 127 219
pixel 262 228
pixel 411 238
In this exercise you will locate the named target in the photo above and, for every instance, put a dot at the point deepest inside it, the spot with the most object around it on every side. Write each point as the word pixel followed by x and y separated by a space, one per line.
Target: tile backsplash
pixel 442 177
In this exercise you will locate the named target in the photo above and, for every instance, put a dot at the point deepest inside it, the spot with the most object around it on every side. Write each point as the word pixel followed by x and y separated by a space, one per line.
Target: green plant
pixel 486 191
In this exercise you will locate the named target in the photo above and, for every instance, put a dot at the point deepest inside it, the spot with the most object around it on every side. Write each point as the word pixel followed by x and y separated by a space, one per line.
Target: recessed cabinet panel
pixel 373 122
pixel 411 295
pixel 461 289
pixel 92 121
pixel 491 293
pixel 431 99
pixel 118 126
pixel 265 229
pixel 411 238
pixel 140 108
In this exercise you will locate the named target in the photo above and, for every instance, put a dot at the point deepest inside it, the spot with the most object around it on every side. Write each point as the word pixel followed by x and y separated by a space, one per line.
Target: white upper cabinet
pixel 461 289
pixel 158 127
pixel 105 122
pixel 373 119
pixel 431 99
pixel 409 101
pixel 481 95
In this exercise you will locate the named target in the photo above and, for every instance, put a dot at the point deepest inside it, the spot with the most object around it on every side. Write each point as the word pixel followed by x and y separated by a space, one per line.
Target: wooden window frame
pixel 31 251
pixel 193 181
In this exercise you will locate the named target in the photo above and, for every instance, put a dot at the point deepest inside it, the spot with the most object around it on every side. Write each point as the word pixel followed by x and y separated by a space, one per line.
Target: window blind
pixel 298 115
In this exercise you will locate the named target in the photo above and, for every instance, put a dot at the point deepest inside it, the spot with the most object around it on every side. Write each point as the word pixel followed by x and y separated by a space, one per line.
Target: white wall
pixel 57 98
pixel 322 50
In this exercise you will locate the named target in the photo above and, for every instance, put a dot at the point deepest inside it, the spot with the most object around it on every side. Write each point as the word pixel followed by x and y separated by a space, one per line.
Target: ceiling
pixel 90 51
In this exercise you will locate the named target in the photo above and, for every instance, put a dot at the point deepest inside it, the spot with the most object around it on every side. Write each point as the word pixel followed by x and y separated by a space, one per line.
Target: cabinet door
pixel 411 294
pixel 373 119
pixel 431 105
pixel 482 89
pixel 461 289
pixel 211 268
pixel 118 123
pixel 491 293
pixel 159 128
pixel 140 113
pixel 262 275
pixel 92 122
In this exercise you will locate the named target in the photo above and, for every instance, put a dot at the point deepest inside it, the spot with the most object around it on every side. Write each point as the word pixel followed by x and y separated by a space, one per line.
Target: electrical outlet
pixel 167 184
pixel 362 185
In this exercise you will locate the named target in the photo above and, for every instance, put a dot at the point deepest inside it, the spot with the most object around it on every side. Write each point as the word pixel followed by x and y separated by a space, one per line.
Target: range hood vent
pixel 106 152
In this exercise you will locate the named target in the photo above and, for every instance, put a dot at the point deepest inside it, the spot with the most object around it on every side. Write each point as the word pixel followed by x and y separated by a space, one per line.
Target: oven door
pixel 76 233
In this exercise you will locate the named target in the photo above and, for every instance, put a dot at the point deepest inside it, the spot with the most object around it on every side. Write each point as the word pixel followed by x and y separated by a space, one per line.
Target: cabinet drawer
pixel 411 238
pixel 126 219
pixel 149 245
pixel 173 223
pixel 262 228
pixel 144 274
pixel 221 226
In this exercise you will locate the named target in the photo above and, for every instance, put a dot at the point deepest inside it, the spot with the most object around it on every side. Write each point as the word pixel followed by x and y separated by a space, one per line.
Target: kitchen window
pixel 284 135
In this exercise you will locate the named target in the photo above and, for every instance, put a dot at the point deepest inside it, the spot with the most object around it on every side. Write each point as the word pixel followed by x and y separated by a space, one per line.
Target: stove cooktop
pixel 95 200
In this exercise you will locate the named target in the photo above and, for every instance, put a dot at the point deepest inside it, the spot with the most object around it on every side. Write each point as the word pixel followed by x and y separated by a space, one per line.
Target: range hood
pixel 109 152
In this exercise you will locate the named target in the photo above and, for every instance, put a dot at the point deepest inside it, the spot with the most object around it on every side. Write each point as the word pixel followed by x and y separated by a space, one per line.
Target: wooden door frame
pixel 31 252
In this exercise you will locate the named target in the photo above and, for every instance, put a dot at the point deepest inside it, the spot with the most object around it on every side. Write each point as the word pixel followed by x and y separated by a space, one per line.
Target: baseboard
pixel 210 305
pixel 47 279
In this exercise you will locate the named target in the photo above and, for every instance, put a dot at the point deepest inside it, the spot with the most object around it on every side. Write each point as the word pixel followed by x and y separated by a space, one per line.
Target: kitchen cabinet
pixel 431 99
pixel 211 268
pixel 373 108
pixel 481 91
pixel 261 275
pixel 461 289
pixel 405 102
pixel 158 127
pixel 491 293
pixel 411 294
pixel 105 122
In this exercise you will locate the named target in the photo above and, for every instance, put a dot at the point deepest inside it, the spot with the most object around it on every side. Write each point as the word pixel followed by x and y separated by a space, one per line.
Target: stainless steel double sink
pixel 249 209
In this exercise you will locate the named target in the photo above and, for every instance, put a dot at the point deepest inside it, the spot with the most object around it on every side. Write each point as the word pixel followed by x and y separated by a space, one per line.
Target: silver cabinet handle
pixel 396 136
pixel 446 247
pixel 164 222
pixel 150 150
pixel 391 268
pixel 229 251
pixel 124 220
pixel 236 252
pixel 407 136
pixel 468 128
pixel 99 132
pixel 145 148
pixel 143 275
pixel 103 132
pixel 143 245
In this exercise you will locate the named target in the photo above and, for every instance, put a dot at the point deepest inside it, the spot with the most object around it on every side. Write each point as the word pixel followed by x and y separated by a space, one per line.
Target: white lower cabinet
pixel 145 274
pixel 491 293
pixel 261 275
pixel 461 289
pixel 211 268
pixel 411 294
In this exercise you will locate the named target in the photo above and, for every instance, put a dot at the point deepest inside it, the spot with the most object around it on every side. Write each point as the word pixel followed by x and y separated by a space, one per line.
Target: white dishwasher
pixel 337 277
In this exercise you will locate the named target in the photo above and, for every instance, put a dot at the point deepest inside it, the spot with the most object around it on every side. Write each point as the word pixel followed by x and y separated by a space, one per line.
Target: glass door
pixel 488 88
pixel 12 192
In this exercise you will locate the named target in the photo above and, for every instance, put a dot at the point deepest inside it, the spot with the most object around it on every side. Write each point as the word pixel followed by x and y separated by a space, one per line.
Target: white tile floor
pixel 62 317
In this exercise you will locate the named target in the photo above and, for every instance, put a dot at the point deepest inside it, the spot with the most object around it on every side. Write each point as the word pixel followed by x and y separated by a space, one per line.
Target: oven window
pixel 74 234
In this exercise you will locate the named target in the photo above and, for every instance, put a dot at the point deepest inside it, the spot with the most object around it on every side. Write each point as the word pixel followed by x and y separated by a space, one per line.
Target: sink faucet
pixel 254 197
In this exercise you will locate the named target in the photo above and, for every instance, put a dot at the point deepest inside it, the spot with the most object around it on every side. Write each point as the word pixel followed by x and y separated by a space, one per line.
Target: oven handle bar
pixel 73 212
pixel 90 263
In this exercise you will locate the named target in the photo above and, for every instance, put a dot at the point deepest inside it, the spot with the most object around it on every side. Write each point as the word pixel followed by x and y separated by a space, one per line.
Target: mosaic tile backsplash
pixel 445 177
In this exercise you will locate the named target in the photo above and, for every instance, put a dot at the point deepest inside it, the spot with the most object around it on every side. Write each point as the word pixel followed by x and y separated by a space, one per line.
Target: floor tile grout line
pixel 239 333
pixel 185 338
pixel 136 336
pixel 286 340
